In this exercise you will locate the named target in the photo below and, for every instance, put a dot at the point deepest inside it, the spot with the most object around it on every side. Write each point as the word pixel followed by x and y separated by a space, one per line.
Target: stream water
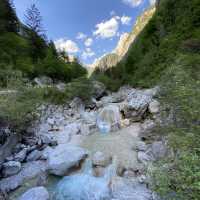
pixel 119 145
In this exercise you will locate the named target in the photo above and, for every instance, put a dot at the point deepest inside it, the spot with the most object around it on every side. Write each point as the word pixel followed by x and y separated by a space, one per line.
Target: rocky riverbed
pixel 96 151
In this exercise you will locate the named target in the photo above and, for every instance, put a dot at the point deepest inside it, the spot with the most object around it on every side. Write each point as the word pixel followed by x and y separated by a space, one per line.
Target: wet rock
pixel 82 187
pixel 11 168
pixel 100 159
pixel 63 158
pixel 37 193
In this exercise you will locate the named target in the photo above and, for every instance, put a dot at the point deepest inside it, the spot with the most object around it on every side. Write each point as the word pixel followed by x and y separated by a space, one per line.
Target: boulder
pixel 159 150
pixel 61 87
pixel 154 107
pixel 77 105
pixel 37 193
pixel 144 157
pixel 11 168
pixel 63 158
pixel 141 146
pixel 82 187
pixel 100 159
pixel 136 105
pixel 48 139
pixel 109 118
pixel 123 189
pixel 43 81
pixel 29 171
pixel 34 155
pixel 98 89
pixel 21 155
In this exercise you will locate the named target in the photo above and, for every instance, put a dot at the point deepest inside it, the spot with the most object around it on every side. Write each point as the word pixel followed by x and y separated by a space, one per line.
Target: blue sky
pixel 86 28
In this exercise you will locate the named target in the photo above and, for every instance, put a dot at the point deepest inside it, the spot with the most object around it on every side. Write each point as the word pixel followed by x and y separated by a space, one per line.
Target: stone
pixel 29 171
pixel 136 105
pixel 109 119
pixel 37 193
pixel 123 189
pixel 34 155
pixel 63 158
pixel 98 89
pixel 125 122
pixel 98 171
pixel 21 155
pixel 143 157
pixel 159 149
pixel 48 139
pixel 82 187
pixel 61 87
pixel 43 81
pixel 11 168
pixel 154 107
pixel 100 159
pixel 77 105
pixel 85 129
pixel 141 146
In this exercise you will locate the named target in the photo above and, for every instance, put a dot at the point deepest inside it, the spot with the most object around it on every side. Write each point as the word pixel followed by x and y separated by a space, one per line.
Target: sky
pixel 87 29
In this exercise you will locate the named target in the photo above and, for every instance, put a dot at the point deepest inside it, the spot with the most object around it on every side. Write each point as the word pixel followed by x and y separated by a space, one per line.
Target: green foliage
pixel 181 93
pixel 8 19
pixel 28 50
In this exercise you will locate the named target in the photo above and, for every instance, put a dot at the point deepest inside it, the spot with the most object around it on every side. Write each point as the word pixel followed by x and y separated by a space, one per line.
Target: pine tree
pixel 35 33
pixel 34 20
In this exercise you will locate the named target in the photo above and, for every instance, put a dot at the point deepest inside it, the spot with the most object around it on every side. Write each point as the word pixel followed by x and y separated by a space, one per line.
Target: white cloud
pixel 152 2
pixel 107 29
pixel 88 53
pixel 81 36
pixel 125 20
pixel 66 45
pixel 88 42
pixel 132 3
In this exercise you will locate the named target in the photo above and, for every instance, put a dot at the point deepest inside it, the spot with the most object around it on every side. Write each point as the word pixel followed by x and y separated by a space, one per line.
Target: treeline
pixel 25 48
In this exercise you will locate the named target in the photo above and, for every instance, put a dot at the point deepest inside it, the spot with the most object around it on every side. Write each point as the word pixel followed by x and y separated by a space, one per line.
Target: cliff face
pixel 128 38
pixel 124 43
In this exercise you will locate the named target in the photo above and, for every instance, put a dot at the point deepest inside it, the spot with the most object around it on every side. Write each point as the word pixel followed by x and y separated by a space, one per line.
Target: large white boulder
pixel 136 105
pixel 37 193
pixel 63 158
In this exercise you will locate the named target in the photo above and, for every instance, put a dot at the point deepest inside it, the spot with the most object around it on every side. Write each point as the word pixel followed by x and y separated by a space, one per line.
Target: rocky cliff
pixel 124 43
